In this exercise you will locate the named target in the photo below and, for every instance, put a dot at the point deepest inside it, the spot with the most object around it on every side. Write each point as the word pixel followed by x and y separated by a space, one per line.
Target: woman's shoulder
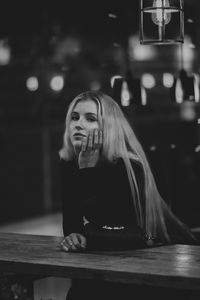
pixel 135 164
pixel 63 160
pixel 66 164
pixel 121 165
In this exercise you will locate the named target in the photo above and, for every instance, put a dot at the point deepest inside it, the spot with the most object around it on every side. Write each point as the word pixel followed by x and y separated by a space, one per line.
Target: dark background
pixel 79 40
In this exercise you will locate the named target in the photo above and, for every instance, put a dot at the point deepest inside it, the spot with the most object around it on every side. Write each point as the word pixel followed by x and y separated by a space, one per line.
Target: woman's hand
pixel 74 242
pixel 89 154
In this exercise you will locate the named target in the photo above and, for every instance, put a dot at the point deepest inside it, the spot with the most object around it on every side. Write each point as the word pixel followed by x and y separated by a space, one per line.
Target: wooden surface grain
pixel 174 266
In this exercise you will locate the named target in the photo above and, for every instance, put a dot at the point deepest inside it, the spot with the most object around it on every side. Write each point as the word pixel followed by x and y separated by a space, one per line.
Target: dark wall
pixel 172 149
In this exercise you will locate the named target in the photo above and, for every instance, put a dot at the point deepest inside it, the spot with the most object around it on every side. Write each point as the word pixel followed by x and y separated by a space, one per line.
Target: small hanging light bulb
pixel 161 16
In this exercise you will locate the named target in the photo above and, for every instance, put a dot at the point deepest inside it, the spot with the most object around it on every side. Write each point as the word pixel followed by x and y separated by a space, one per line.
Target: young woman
pixel 110 198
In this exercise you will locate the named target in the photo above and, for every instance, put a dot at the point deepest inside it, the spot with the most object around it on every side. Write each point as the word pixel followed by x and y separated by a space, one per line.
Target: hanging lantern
pixel 128 90
pixel 161 21
pixel 186 87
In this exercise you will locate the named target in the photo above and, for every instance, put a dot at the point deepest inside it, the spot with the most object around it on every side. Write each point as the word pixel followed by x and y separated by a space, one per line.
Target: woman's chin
pixel 77 146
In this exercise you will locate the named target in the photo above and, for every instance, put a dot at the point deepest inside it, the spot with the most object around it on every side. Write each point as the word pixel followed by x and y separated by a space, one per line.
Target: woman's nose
pixel 78 127
pixel 79 124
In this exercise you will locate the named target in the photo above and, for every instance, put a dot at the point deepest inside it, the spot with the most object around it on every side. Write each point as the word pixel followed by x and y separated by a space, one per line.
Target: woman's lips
pixel 78 135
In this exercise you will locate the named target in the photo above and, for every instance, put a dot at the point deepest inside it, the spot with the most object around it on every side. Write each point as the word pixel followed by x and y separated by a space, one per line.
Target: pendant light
pixel 161 21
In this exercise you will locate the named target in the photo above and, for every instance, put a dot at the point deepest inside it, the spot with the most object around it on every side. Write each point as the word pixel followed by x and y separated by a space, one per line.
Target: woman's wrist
pixel 89 165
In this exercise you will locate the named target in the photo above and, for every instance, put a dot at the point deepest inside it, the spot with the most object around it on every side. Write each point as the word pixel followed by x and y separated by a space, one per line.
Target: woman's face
pixel 83 119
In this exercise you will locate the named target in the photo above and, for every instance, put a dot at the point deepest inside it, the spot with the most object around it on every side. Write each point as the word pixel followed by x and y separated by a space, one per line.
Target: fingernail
pixel 65 248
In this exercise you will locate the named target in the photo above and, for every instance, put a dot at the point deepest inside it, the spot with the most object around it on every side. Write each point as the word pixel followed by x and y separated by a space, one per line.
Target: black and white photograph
pixel 100 150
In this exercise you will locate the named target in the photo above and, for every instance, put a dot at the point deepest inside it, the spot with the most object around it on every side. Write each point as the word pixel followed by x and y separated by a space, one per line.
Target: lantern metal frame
pixel 162 39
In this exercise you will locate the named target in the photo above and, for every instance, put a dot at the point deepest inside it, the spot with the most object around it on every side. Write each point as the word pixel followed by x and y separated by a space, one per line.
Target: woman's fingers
pixel 73 242
pixel 82 240
pixel 70 240
pixel 79 241
pixel 100 138
pixel 89 154
pixel 90 141
pixel 64 246
pixel 84 144
pixel 67 244
pixel 95 139
pixel 87 143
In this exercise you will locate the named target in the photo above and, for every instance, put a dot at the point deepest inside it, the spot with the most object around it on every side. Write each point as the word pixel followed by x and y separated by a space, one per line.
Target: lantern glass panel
pixel 161 22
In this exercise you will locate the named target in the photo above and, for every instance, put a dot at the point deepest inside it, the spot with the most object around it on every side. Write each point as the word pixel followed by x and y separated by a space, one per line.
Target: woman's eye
pixel 91 119
pixel 74 118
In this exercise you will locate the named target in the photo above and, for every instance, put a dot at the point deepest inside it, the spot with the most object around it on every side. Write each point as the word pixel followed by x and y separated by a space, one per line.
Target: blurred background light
pixel 57 83
pixel 196 88
pixel 168 80
pixel 127 90
pixel 32 83
pixel 187 111
pixel 148 81
pixel 173 146
pixel 112 79
pixel 153 148
pixel 187 87
pixel 190 21
pixel 186 54
pixel 178 91
pixel 95 85
pixel 192 46
pixel 5 52
pixel 125 94
pixel 139 52
pixel 112 16
pixel 143 96
pixel 197 149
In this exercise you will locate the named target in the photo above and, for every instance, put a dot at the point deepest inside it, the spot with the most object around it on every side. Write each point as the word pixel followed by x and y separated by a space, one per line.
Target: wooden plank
pixel 174 266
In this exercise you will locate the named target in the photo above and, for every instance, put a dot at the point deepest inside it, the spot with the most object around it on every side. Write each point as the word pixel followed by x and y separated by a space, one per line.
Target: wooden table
pixel 174 266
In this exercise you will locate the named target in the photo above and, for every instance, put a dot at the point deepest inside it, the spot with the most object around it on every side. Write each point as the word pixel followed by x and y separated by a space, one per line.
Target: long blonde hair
pixel 120 141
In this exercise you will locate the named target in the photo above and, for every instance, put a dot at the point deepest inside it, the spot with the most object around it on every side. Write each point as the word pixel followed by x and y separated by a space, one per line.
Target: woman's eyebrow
pixel 90 113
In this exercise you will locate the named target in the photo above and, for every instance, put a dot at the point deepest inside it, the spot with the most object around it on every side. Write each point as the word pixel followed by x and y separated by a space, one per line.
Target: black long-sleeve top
pixel 103 197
